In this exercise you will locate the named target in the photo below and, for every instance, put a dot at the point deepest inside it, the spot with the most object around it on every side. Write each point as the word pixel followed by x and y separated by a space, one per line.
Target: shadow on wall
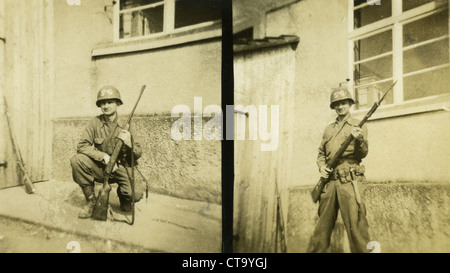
pixel 187 169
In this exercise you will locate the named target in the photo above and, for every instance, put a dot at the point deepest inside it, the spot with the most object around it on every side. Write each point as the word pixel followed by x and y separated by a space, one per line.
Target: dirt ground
pixel 21 237
pixel 47 221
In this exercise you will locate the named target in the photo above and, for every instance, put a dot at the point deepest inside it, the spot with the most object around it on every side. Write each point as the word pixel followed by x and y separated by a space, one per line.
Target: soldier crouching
pixel 95 148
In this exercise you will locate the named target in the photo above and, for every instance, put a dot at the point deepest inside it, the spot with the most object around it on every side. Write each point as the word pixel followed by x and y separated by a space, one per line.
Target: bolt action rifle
pixel 29 188
pixel 315 193
pixel 100 211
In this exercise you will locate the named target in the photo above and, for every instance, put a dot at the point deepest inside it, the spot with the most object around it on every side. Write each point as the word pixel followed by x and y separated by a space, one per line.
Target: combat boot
pixel 126 206
pixel 125 201
pixel 88 208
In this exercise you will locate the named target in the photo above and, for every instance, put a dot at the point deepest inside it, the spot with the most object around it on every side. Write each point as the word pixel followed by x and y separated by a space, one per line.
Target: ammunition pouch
pixel 347 172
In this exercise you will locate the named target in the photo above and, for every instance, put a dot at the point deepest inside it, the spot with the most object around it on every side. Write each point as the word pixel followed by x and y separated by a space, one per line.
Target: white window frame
pixel 168 24
pixel 394 23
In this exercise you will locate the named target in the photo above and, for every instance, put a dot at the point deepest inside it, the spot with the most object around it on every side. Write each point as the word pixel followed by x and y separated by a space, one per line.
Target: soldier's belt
pixel 342 172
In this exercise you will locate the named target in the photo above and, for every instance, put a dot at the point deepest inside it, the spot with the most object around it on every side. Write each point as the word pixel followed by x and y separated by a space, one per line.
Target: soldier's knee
pixel 76 160
pixel 123 192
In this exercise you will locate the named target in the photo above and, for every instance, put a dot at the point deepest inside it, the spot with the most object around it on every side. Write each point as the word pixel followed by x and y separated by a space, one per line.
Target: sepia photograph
pixel 92 90
pixel 362 154
pixel 179 126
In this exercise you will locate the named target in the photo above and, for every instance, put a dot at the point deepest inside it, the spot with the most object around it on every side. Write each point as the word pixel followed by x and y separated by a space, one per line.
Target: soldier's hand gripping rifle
pixel 100 211
pixel 315 193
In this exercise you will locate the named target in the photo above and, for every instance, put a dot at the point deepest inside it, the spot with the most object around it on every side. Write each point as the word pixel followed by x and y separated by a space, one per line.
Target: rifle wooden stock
pixel 315 193
pixel 29 187
pixel 100 211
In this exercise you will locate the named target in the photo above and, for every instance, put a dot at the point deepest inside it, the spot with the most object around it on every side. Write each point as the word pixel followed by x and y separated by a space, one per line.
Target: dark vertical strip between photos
pixel 227 144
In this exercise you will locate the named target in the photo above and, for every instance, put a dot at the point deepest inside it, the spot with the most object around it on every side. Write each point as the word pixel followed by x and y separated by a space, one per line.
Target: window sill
pixel 159 41
pixel 418 106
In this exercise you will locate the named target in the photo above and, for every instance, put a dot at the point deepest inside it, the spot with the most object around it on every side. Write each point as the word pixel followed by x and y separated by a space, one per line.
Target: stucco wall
pixel 403 218
pixel 77 30
pixel 413 148
pixel 188 169
pixel 173 76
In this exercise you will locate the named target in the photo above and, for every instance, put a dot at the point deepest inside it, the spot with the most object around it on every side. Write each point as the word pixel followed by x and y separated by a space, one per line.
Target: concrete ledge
pixel 135 45
pixel 403 217
pixel 268 42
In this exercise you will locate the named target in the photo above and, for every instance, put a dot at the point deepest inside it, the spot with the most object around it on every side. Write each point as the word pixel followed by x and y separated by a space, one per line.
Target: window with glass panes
pixel 400 40
pixel 140 18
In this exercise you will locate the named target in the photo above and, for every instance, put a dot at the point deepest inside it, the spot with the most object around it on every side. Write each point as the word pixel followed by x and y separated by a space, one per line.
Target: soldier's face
pixel 108 107
pixel 342 108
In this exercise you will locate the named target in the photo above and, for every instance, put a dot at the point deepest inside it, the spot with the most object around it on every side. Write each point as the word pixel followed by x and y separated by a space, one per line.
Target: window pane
pixel 380 68
pixel 426 84
pixel 410 4
pixel 191 12
pixel 367 95
pixel 373 45
pixel 126 4
pixel 140 23
pixel 425 29
pixel 372 13
pixel 426 56
pixel 154 18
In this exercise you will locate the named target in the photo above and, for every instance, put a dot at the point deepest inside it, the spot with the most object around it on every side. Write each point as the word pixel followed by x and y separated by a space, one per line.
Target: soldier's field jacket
pixel 96 139
pixel 335 134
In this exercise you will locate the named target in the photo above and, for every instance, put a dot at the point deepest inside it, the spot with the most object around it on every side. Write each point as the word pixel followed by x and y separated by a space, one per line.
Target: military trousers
pixel 86 171
pixel 341 196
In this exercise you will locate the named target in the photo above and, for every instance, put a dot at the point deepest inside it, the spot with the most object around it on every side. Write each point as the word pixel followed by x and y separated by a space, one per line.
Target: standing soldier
pixel 95 148
pixel 344 189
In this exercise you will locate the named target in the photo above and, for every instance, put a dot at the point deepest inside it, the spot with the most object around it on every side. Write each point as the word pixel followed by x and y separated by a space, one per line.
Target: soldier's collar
pixel 104 119
pixel 350 120
pixel 347 119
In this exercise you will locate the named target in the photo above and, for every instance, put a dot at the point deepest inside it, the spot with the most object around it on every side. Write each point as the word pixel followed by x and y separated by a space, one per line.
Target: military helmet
pixel 339 94
pixel 108 93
